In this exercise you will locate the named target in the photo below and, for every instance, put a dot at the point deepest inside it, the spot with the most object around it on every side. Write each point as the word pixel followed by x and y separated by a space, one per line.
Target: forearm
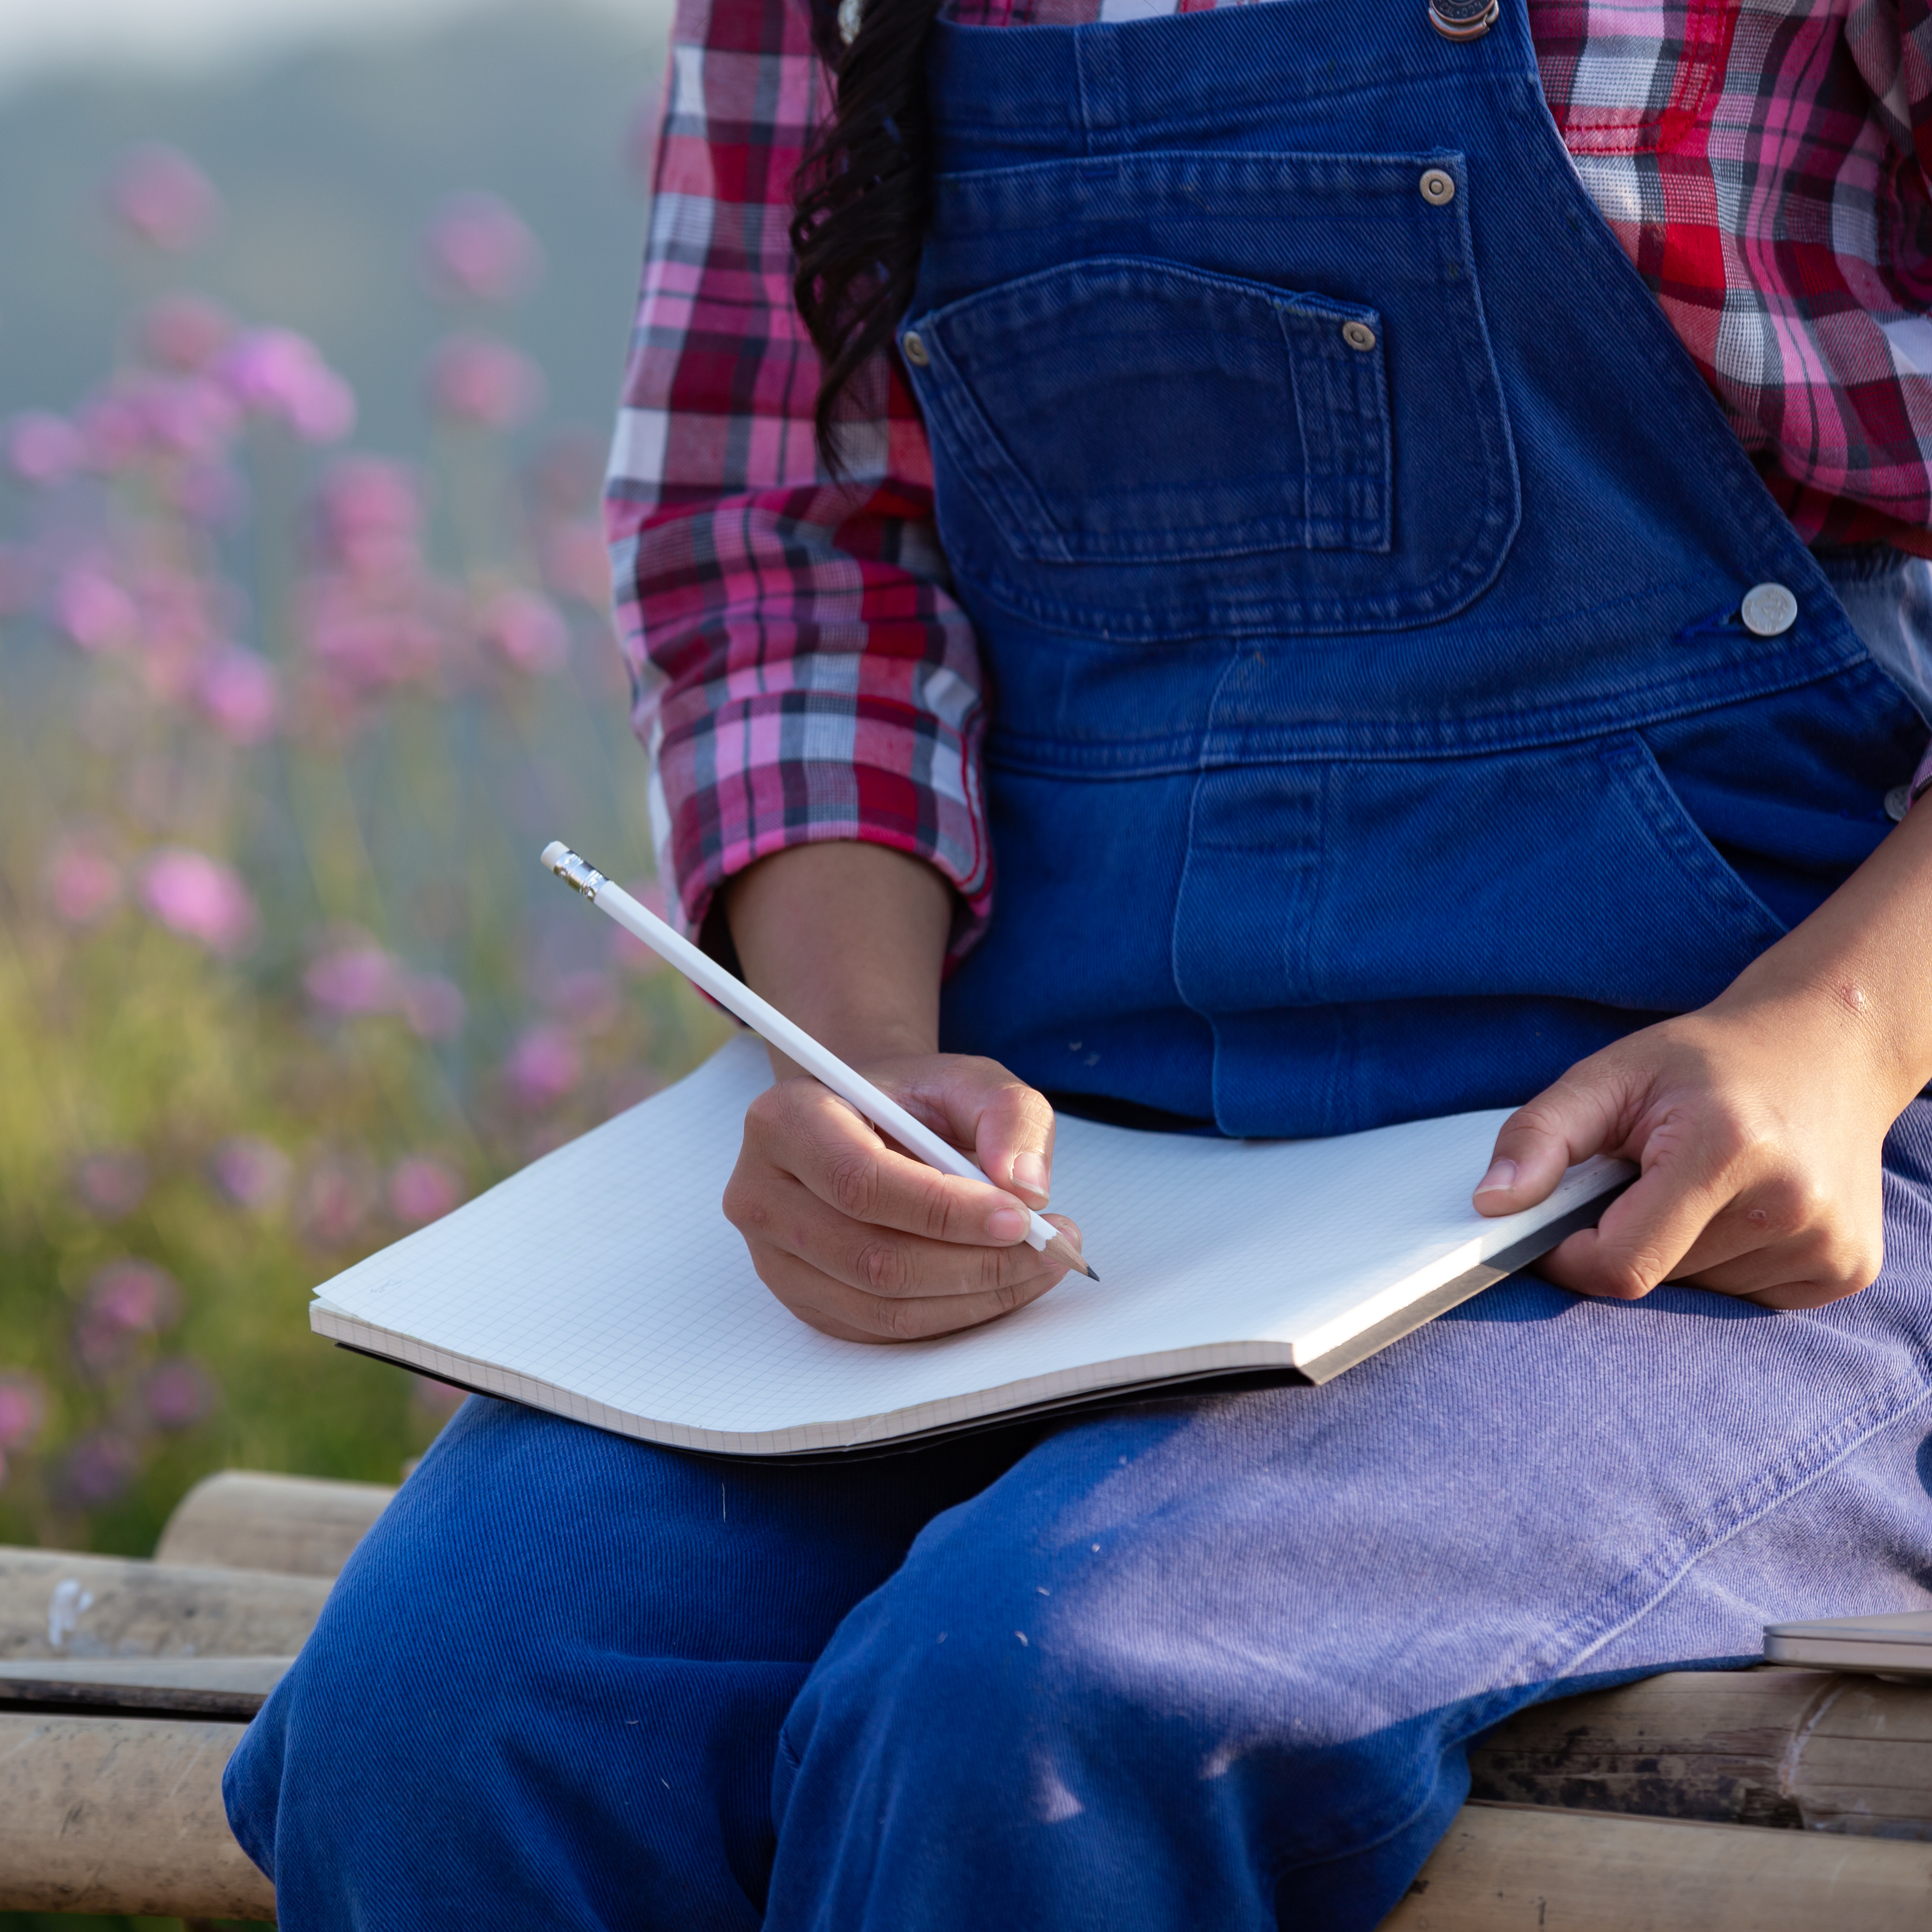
pixel 849 940
pixel 1860 968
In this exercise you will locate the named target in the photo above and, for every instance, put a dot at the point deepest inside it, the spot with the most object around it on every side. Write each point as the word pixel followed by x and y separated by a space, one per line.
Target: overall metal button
pixel 1768 611
pixel 1463 19
pixel 1438 189
pixel 1358 335
pixel 1897 803
pixel 913 350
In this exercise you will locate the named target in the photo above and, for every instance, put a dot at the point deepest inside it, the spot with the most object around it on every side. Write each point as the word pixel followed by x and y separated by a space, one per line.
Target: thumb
pixel 1581 1115
pixel 1007 1127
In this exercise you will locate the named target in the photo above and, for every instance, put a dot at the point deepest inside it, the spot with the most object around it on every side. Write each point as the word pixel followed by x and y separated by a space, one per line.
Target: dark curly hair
pixel 861 197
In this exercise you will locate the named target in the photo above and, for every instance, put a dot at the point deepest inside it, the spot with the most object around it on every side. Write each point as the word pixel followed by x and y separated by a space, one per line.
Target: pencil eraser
pixel 555 853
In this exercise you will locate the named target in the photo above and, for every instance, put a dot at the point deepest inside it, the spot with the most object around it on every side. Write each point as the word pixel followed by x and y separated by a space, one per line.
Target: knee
pixel 1036 1693
pixel 985 1686
pixel 370 1716
pixel 390 1706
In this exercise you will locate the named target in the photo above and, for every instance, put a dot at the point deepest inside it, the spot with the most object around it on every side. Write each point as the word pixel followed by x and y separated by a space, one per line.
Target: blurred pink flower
pixel 44 450
pixel 369 648
pixel 576 563
pixel 93 610
pixel 251 1172
pixel 199 898
pixel 586 999
pixel 483 383
pixel 543 1066
pixel 370 516
pixel 126 1301
pixel 209 493
pixel 83 883
pixel 433 1007
pixel 422 1189
pixel 115 430
pixel 23 1409
pixel 187 415
pixel 359 978
pixel 182 332
pixel 337 1195
pixel 178 1393
pixel 114 1183
pixel 240 696
pixel 98 1468
pixel 161 197
pixel 477 248
pixel 276 373
pixel 528 630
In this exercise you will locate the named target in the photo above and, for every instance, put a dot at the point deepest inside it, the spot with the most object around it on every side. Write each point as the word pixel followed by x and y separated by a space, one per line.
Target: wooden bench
pixel 1762 1800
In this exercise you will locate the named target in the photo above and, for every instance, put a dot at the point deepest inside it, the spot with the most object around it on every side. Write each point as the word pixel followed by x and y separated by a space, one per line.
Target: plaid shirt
pixel 801 672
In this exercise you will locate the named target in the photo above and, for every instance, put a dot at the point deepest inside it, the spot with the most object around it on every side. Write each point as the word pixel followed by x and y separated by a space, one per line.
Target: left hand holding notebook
pixel 1759 1121
pixel 1760 1160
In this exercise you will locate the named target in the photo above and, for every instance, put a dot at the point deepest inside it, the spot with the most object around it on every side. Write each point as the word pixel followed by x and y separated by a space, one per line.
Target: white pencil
pixel 771 1025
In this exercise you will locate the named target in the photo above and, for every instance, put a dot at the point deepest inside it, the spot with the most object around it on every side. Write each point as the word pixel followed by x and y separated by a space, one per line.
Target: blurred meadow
pixel 304 373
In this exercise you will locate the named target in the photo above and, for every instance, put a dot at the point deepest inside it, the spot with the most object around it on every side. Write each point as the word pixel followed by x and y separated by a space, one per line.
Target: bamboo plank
pixel 124 1815
pixel 1532 1868
pixel 121 1815
pixel 1811 1750
pixel 243 1520
pixel 53 1605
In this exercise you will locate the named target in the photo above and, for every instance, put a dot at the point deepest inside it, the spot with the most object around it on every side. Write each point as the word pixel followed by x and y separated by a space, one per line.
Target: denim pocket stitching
pixel 1632 763
pixel 1435 318
pixel 1027 522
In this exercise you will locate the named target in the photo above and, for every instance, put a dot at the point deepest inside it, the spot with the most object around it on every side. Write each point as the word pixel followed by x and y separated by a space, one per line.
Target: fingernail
pixel 1501 1177
pixel 1030 1172
pixel 1007 1224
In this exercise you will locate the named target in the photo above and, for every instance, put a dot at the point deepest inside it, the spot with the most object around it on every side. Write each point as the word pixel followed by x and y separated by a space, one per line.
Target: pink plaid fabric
pixel 801 671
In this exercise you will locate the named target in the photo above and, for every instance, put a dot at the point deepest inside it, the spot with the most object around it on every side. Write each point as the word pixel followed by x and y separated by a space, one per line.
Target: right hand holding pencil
pixel 861 1241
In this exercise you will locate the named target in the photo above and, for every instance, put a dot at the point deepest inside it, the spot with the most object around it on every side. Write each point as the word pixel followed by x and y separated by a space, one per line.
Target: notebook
pixel 603 1281
pixel 1899 1645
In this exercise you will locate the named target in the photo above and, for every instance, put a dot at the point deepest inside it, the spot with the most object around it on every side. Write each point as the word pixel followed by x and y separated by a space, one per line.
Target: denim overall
pixel 1359 559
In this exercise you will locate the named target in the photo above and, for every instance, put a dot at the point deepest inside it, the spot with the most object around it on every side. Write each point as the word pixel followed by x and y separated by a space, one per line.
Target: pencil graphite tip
pixel 1060 1249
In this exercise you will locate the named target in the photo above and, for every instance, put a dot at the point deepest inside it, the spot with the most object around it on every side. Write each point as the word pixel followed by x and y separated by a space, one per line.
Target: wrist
pixel 1824 1015
pixel 848 941
pixel 864 1041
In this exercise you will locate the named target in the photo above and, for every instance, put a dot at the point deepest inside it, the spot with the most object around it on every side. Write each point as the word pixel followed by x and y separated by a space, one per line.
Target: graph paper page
pixel 606 1269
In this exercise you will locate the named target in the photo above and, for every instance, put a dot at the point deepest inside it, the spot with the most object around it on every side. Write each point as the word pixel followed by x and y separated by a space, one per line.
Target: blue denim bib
pixel 1358 561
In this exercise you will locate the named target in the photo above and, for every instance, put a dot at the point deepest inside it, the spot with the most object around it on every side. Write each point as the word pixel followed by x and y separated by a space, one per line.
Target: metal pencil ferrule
pixel 576 872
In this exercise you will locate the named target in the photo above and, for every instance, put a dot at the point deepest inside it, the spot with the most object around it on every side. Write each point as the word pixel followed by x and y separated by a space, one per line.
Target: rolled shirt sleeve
pixel 801 669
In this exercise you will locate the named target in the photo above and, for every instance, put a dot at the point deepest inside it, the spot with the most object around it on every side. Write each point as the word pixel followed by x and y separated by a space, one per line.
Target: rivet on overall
pixel 1463 19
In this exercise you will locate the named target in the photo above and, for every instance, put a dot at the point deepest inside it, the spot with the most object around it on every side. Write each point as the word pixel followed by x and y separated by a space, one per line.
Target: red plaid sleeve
pixel 801 670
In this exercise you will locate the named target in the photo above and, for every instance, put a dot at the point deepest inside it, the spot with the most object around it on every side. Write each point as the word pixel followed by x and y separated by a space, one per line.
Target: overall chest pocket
pixel 1163 415
pixel 1184 395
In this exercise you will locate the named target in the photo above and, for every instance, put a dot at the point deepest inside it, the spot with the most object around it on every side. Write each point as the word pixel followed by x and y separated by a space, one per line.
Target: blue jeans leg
pixel 546 1691
pixel 1214 1662
pixel 1209 1662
